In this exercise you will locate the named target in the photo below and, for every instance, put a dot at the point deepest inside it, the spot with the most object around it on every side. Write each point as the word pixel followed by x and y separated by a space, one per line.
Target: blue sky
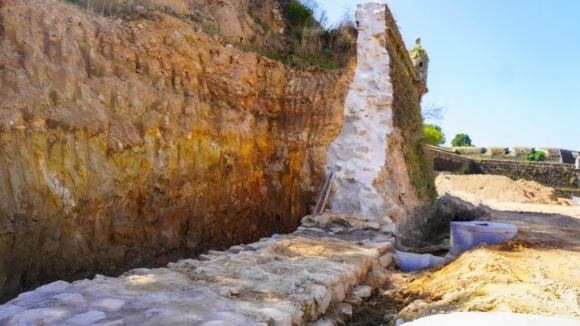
pixel 508 71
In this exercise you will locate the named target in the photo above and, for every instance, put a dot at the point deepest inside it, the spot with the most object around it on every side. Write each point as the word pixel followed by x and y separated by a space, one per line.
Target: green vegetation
pixel 298 14
pixel 461 140
pixel 305 40
pixel 432 115
pixel 110 8
pixel 407 118
pixel 536 156
pixel 433 135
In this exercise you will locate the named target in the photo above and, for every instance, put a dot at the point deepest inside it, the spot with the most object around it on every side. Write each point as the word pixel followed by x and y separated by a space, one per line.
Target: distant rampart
pixel 555 155
pixel 564 178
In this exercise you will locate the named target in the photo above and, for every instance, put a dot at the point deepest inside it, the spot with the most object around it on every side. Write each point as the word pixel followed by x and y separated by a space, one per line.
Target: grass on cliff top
pixel 307 42
pixel 110 8
pixel 304 42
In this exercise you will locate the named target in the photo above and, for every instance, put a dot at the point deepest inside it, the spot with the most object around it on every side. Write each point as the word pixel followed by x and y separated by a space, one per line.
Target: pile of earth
pixel 482 188
pixel 536 274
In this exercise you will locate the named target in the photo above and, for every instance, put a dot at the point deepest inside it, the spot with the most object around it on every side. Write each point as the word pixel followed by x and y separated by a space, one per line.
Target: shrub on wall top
pixel 298 14
pixel 536 156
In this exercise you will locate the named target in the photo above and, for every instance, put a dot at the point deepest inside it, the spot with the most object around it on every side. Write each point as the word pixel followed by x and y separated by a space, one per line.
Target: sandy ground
pixel 536 273
pixel 493 188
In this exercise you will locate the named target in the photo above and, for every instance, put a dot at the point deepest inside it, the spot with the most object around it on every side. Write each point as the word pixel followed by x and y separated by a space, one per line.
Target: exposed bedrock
pixel 132 144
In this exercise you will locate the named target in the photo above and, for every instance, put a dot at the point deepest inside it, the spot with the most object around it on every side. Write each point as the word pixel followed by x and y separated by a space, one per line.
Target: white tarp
pixel 492 319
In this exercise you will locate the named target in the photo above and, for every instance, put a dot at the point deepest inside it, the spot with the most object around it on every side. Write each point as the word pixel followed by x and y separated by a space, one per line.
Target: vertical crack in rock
pixel 359 153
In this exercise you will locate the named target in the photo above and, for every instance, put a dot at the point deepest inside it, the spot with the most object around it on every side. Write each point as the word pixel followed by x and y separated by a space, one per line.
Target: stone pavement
pixel 285 280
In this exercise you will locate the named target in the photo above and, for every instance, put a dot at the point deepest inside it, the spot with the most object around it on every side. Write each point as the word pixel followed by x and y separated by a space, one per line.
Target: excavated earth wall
pixel 136 143
pixel 130 144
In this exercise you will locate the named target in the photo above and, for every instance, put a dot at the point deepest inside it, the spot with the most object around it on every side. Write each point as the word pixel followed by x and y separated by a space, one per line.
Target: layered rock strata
pixel 130 144
pixel 371 181
pixel 289 280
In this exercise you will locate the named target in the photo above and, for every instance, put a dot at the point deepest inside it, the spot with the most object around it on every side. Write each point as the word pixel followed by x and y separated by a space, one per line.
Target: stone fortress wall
pixel 555 155
pixel 563 177
pixel 371 157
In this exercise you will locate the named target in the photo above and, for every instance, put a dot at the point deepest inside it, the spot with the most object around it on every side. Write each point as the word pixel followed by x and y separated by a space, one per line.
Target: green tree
pixel 433 135
pixel 461 140
pixel 536 156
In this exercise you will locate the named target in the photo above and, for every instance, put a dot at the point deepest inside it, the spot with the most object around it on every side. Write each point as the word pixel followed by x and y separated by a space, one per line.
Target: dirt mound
pixel 537 273
pixel 498 188
pixel 524 280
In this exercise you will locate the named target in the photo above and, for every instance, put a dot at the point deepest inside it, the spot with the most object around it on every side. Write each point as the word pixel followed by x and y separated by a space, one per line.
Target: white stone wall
pixel 358 154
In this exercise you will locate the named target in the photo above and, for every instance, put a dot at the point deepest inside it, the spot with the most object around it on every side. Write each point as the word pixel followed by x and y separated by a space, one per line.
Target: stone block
pixel 338 292
pixel 380 274
pixel 344 309
pixel 8 310
pixel 325 280
pixel 225 292
pixel 321 322
pixel 372 281
pixel 235 290
pixel 99 277
pixel 203 257
pixel 217 253
pixel 362 291
pixel 389 229
pixel 279 318
pixel 497 151
pixel 336 230
pixel 70 297
pixel 87 318
pixel 354 300
pixel 468 150
pixel 386 259
pixel 382 247
pixel 522 151
pixel 325 302
pixel 41 316
pixel 109 304
pixel 387 318
pixel 550 152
